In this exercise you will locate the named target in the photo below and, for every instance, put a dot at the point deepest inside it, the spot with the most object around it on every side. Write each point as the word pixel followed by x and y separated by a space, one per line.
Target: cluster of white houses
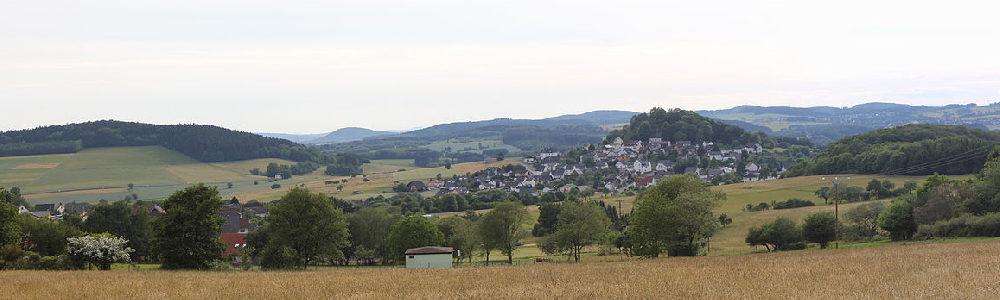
pixel 631 160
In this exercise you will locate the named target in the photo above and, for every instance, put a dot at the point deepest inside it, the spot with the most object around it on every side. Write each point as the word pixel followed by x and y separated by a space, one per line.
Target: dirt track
pixel 36 166
pixel 95 191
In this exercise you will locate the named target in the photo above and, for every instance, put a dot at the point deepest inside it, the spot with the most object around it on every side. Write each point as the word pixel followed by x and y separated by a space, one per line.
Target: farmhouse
pixel 235 242
pixel 416 186
pixel 428 257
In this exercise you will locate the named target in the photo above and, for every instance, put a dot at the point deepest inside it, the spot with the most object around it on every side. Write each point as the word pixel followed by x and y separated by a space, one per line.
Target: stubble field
pixel 924 271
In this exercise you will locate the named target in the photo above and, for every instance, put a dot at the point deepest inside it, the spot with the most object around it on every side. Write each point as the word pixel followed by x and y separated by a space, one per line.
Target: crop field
pixel 918 271
pixel 244 167
pixel 112 167
pixel 22 170
pixel 101 174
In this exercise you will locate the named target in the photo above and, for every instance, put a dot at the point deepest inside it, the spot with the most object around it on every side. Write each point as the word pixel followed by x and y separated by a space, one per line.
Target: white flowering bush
pixel 101 250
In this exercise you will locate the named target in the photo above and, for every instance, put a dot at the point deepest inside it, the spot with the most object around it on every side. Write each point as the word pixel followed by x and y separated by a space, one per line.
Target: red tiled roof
pixel 232 240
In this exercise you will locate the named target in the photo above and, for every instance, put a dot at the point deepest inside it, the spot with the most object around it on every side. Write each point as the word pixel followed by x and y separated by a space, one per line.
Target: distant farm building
pixel 428 257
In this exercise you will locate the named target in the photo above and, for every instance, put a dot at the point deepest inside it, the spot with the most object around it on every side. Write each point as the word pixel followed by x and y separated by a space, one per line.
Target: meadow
pixel 103 173
pixel 915 271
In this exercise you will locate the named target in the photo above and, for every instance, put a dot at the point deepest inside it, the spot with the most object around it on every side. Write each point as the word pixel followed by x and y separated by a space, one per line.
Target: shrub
pixel 793 203
pixel 101 250
pixel 759 207
pixel 780 234
pixel 963 226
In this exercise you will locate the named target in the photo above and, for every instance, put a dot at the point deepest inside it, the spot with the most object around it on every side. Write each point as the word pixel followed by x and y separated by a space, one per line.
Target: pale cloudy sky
pixel 315 66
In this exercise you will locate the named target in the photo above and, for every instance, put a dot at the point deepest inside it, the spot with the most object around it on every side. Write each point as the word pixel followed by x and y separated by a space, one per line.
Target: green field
pixel 461 145
pixel 730 240
pixel 394 162
pixel 156 172
pixel 150 165
pixel 11 175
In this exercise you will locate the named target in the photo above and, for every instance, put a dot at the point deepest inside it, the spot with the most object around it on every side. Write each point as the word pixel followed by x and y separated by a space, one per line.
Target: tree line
pixel 904 150
pixel 305 228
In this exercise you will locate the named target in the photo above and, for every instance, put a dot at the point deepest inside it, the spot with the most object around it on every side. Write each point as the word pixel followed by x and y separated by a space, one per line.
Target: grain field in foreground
pixel 925 271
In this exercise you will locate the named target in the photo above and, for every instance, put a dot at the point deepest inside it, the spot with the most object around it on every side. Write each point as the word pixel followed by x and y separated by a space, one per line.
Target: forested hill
pixel 201 142
pixel 681 125
pixel 905 150
pixel 824 125
pixel 590 119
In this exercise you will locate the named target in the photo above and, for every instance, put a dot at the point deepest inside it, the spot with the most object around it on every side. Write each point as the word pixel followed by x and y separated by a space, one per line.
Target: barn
pixel 428 257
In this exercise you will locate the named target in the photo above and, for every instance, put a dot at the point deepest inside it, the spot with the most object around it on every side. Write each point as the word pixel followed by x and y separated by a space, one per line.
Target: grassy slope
pixel 925 271
pixel 11 177
pixel 155 171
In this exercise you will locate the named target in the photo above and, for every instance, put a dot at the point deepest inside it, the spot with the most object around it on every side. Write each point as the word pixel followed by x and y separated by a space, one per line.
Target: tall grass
pixel 926 271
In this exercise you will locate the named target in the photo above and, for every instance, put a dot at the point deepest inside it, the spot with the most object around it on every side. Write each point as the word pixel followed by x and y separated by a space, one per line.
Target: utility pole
pixel 836 215
pixel 621 214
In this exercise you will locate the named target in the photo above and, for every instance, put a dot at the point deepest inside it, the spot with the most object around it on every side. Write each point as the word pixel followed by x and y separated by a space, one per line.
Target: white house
pixel 428 257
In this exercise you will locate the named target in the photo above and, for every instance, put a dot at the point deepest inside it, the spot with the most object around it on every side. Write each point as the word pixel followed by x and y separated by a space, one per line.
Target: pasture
pixel 915 271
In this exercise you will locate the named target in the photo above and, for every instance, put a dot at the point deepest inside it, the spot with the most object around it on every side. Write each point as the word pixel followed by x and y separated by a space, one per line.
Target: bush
pixel 275 186
pixel 793 203
pixel 780 234
pixel 963 226
pixel 759 207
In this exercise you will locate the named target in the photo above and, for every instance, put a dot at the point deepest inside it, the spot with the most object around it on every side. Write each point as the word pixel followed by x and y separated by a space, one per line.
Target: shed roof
pixel 428 250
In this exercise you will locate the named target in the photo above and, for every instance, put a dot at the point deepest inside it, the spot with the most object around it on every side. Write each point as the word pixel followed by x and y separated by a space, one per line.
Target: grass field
pixel 22 170
pixel 395 162
pixel 921 271
pixel 456 169
pixel 120 166
pixel 460 146
pixel 99 174
pixel 156 173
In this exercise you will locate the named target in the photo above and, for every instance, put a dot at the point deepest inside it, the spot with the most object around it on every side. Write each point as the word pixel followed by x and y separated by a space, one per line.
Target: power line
pixel 961 157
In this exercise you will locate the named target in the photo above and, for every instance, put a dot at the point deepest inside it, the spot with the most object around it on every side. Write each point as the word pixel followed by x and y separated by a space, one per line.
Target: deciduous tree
pixel 186 236
pixel 502 227
pixel 580 225
pixel 820 228
pixel 119 219
pixel 413 232
pixel 308 224
pixel 777 235
pixel 676 214
pixel 100 250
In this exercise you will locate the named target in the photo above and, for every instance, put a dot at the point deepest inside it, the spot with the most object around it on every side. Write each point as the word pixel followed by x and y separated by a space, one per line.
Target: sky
pixel 296 66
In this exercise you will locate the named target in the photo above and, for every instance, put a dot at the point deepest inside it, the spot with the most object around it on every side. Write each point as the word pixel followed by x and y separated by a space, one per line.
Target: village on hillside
pixel 616 167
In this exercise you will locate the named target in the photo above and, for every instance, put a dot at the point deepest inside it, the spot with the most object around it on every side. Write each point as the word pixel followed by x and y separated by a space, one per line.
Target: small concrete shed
pixel 428 257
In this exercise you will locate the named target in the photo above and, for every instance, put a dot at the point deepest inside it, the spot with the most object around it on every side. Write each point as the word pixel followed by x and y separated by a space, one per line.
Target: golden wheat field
pixel 918 271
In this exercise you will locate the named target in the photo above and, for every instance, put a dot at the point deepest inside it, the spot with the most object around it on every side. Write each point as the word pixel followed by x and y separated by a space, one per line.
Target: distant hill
pixel 905 150
pixel 347 134
pixel 595 118
pixel 524 134
pixel 824 124
pixel 298 138
pixel 600 117
pixel 745 125
pixel 202 142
